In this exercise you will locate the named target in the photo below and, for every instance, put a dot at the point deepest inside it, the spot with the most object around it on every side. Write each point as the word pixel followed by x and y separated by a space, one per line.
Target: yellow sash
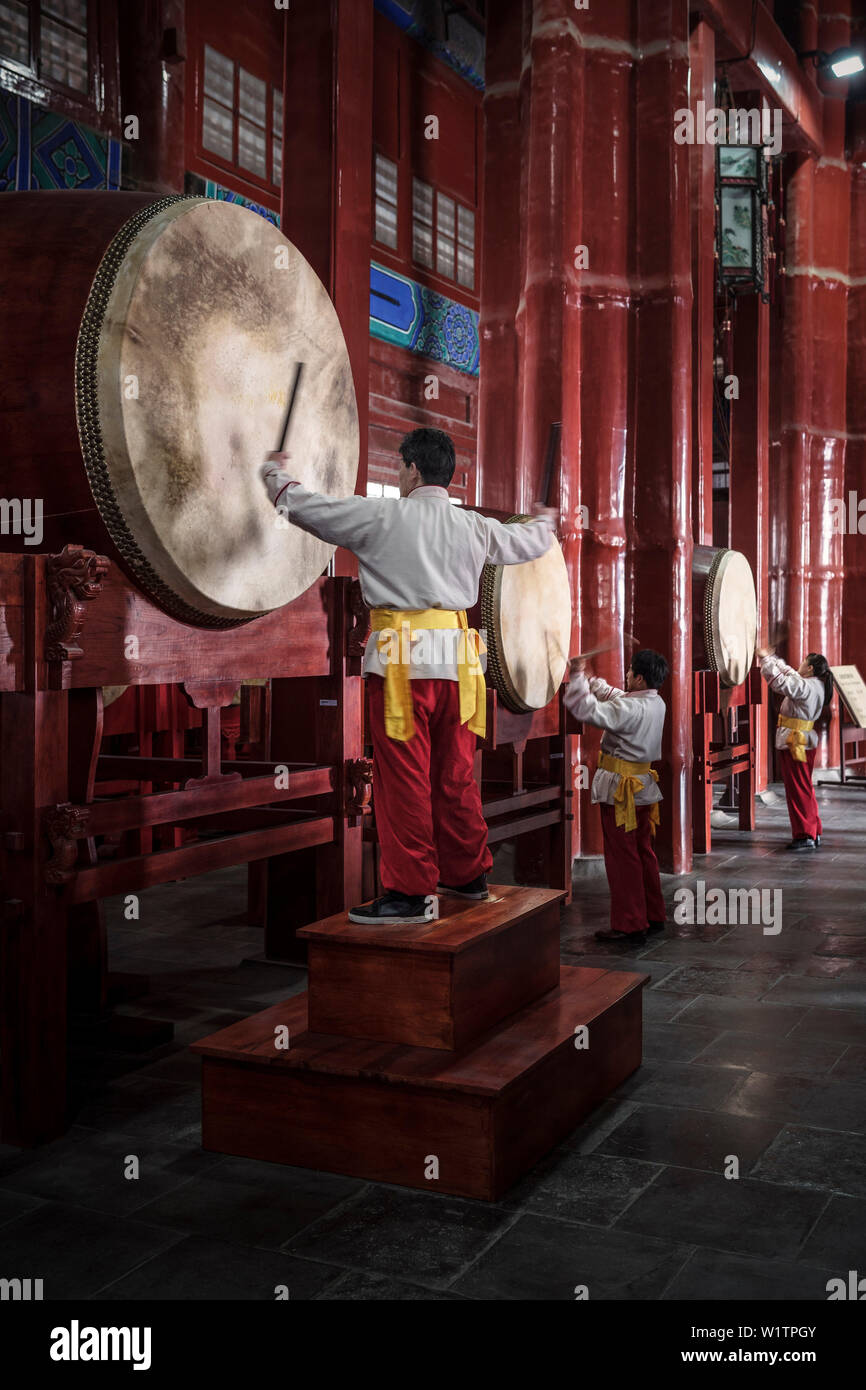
pixel 401 626
pixel 629 783
pixel 797 737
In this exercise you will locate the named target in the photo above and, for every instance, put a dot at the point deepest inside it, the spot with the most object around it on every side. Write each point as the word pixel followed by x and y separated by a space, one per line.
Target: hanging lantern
pixel 741 218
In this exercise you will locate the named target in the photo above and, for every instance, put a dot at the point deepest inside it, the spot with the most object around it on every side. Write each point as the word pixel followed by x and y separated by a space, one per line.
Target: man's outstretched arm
pixel 338 520
pixel 616 712
pixel 515 542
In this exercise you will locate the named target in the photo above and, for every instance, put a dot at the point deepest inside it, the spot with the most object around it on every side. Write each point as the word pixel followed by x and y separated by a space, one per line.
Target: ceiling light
pixel 843 62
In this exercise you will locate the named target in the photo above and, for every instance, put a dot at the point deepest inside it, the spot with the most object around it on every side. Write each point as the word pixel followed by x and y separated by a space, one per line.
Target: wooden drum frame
pixel 166 352
pixel 725 612
pixel 527 658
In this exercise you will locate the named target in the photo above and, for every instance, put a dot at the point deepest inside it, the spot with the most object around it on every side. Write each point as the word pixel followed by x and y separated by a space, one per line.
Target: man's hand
pixel 577 666
pixel 275 478
pixel 549 515
pixel 761 652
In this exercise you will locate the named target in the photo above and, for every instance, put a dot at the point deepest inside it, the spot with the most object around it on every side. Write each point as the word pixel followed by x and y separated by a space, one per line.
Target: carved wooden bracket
pixel 356 637
pixel 74 578
pixel 359 787
pixel 211 696
pixel 64 824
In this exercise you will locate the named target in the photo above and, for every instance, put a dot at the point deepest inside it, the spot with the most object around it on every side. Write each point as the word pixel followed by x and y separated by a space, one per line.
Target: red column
pixel 568 340
pixel 660 520
pixel 702 186
pixel 500 262
pixel 795 390
pixel 750 466
pixel 153 90
pixel 830 325
pixel 549 313
pixel 530 299
pixel 607 308
pixel 814 413
pixel 854 546
pixel 326 202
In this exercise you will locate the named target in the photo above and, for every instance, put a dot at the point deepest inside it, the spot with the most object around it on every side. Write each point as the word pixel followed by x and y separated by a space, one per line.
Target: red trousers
pixel 802 804
pixel 632 872
pixel 426 798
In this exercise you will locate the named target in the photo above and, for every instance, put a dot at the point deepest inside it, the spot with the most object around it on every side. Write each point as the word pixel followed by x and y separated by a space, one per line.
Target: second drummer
pixel 807 693
pixel 625 788
pixel 420 561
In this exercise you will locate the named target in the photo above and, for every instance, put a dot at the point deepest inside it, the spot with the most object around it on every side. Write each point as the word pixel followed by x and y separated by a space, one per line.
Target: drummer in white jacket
pixel 807 691
pixel 419 563
pixel 626 788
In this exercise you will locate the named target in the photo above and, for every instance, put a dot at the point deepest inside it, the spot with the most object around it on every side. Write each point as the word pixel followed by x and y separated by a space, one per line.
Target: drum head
pixel 526 610
pixel 731 616
pixel 197 318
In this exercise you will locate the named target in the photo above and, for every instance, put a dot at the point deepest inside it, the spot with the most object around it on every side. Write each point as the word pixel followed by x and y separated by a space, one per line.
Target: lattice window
pixel 422 223
pixel 444 242
pixel 49 39
pixel 385 201
pixel 63 43
pixel 277 138
pixel 237 111
pixel 15 31
pixel 465 247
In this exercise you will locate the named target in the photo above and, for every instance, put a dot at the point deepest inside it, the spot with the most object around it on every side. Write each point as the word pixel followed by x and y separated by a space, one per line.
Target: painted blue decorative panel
pixel 414 317
pixel 41 150
pixel 225 195
pixel 462 48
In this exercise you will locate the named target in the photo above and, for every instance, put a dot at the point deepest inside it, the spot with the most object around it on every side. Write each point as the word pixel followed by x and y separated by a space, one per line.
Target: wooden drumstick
pixel 780 632
pixel 608 647
pixel 287 418
pixel 553 439
pixel 630 640
pixel 585 656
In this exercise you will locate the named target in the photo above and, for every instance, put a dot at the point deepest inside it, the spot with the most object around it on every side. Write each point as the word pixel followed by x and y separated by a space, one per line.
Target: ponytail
pixel 821 669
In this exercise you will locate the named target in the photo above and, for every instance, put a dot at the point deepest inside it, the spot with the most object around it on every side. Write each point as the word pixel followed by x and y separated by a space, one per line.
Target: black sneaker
pixel 477 889
pixel 817 841
pixel 622 938
pixel 396 909
pixel 802 844
pixel 655 926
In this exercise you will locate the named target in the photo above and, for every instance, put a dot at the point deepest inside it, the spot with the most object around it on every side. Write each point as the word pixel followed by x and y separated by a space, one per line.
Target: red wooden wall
pixel 252 35
pixel 410 84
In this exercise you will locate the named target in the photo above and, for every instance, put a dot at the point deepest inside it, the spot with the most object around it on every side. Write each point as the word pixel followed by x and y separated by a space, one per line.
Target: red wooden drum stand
pixel 67 624
pixel 717 760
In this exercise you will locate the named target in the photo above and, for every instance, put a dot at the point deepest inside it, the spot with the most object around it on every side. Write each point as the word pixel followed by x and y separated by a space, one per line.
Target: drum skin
pixel 725 613
pixel 156 343
pixel 526 613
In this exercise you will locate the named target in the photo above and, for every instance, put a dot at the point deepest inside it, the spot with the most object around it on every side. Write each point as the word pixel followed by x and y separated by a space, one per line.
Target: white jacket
pixel 804 697
pixel 415 552
pixel 633 721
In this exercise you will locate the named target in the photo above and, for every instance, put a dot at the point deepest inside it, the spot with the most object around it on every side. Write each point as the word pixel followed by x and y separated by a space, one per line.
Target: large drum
pixel 526 612
pixel 725 613
pixel 153 348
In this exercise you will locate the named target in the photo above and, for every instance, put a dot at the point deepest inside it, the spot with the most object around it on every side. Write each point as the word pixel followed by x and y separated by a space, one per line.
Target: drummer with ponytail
pixel 807 693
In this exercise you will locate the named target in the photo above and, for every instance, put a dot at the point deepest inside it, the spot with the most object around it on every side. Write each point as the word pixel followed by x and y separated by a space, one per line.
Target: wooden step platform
pixel 441 985
pixel 476 1118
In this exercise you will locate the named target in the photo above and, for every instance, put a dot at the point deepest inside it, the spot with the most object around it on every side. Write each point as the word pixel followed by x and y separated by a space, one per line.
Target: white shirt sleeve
pixel 602 691
pixel 783 678
pixel 515 542
pixel 342 521
pixel 616 712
